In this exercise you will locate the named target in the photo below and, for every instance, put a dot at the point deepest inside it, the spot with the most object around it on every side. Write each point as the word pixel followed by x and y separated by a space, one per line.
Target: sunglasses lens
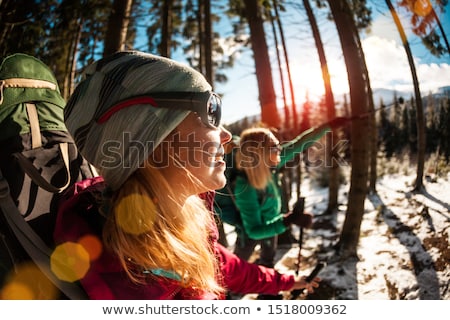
pixel 275 148
pixel 214 110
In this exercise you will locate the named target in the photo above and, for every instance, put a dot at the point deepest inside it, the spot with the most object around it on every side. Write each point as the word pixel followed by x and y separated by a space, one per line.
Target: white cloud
pixel 386 62
pixel 433 76
pixel 382 26
pixel 389 68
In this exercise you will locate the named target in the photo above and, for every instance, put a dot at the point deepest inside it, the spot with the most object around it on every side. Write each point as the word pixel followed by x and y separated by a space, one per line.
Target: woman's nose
pixel 225 135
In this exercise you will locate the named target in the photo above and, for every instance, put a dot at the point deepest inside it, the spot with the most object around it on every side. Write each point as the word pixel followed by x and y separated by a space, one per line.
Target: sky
pixel 385 57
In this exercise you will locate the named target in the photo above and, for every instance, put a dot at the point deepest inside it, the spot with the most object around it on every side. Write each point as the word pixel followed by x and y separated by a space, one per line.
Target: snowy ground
pixel 403 250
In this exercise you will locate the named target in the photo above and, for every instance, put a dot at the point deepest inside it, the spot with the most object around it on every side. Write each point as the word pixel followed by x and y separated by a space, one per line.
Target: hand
pixel 303 220
pixel 338 122
pixel 301 283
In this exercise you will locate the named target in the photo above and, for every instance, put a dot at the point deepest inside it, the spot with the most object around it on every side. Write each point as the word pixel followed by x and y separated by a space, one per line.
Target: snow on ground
pixel 403 250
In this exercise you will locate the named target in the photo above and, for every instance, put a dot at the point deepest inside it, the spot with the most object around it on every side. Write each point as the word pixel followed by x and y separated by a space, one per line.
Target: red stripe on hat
pixel 125 104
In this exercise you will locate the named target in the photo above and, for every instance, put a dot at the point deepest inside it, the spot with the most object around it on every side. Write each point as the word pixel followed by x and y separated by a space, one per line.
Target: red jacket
pixel 106 279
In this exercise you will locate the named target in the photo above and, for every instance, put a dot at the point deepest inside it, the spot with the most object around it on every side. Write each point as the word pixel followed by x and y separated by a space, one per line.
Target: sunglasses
pixel 207 105
pixel 276 147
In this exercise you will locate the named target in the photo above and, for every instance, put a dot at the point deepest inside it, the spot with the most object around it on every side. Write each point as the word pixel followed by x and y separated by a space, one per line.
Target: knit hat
pixel 120 145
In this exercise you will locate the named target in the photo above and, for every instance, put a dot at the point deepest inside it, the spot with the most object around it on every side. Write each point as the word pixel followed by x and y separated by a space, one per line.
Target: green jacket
pixel 261 216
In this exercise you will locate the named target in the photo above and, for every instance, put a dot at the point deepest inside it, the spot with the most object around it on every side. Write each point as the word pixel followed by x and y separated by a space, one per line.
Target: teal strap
pixel 167 274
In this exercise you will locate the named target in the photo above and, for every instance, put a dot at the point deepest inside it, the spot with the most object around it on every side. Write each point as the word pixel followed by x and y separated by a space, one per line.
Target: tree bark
pixel 166 29
pixel 359 99
pixel 333 187
pixel 209 69
pixel 295 123
pixel 280 69
pixel 117 27
pixel 267 97
pixel 201 36
pixel 420 117
pixel 441 28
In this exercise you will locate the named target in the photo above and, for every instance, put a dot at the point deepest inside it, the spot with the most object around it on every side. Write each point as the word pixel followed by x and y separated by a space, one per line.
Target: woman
pixel 257 189
pixel 151 126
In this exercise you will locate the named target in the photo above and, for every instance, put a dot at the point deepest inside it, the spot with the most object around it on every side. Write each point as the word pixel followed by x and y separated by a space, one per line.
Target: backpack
pixel 39 160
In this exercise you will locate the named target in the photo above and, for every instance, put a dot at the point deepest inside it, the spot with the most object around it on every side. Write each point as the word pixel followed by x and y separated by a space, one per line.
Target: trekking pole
pixel 298 209
pixel 300 241
pixel 366 114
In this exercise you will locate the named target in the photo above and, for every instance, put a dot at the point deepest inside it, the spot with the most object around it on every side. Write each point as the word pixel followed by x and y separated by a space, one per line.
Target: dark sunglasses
pixel 275 148
pixel 207 105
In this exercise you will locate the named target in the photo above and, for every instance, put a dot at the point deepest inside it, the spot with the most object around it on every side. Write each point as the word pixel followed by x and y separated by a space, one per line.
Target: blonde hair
pixel 252 156
pixel 149 229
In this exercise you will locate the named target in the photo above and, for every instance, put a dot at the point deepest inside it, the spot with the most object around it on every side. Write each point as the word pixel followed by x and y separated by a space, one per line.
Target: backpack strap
pixel 36 140
pixel 33 244
pixel 34 174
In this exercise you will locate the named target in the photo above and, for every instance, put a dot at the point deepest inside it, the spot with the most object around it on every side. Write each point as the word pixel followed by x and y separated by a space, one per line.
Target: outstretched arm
pixel 307 138
pixel 243 277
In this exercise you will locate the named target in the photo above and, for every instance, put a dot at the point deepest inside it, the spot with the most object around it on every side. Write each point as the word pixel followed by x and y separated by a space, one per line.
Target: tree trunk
pixel 5 24
pixel 441 28
pixel 201 36
pixel 295 123
pixel 166 29
pixel 420 117
pixel 359 99
pixel 209 69
pixel 267 98
pixel 373 146
pixel 117 27
pixel 71 67
pixel 333 187
pixel 280 68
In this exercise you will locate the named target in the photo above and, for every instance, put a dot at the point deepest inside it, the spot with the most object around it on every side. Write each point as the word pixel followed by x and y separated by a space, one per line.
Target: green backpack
pixel 38 161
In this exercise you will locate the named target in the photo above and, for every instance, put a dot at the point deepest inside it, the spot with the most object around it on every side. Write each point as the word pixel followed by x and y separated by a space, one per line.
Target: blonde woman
pixel 257 189
pixel 151 126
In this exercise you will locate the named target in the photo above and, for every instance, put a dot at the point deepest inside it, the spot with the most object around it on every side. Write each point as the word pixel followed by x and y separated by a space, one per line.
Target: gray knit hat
pixel 120 145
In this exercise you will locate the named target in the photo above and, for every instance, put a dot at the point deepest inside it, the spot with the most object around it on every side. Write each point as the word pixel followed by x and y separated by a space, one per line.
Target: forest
pixel 68 35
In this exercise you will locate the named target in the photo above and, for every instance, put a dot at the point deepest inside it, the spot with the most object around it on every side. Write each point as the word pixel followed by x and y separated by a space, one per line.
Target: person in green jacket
pixel 256 191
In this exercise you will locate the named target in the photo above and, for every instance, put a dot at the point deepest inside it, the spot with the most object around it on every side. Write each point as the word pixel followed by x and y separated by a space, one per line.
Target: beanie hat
pixel 120 145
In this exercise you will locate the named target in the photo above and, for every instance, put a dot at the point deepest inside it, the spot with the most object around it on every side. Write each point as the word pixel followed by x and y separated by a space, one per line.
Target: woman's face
pixel 197 149
pixel 274 151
